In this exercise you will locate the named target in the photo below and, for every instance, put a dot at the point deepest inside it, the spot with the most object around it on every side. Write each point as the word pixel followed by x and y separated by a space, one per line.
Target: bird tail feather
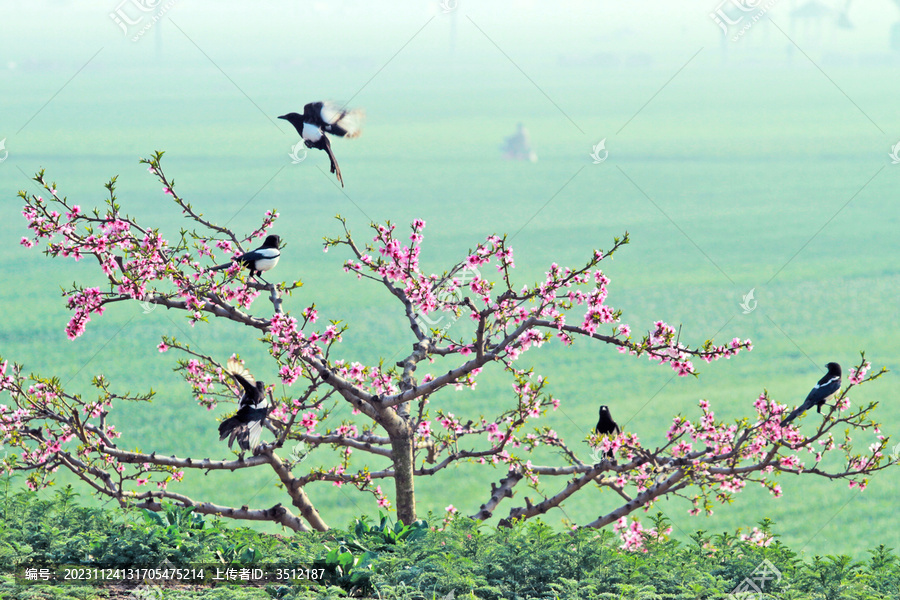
pixel 334 164
pixel 792 416
pixel 233 429
pixel 227 426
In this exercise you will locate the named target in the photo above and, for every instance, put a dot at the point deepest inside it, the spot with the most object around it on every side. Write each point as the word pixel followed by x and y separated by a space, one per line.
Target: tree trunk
pixel 404 485
pixel 403 438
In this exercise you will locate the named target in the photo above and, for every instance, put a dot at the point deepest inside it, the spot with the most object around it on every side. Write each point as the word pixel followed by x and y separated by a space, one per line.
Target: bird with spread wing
pixel 246 424
pixel 321 118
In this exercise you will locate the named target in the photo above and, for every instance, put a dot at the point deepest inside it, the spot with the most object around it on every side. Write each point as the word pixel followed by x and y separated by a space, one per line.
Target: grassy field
pixel 758 178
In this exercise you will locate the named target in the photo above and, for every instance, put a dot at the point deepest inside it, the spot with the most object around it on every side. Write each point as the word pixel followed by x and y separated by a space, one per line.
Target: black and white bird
pixel 823 391
pixel 319 118
pixel 606 427
pixel 258 261
pixel 247 423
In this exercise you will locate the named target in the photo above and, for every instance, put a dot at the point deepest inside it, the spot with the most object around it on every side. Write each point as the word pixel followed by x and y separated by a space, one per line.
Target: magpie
pixel 823 391
pixel 258 261
pixel 247 423
pixel 606 426
pixel 319 118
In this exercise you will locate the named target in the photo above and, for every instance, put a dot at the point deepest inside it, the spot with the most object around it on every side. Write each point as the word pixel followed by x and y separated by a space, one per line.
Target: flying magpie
pixel 823 391
pixel 247 423
pixel 319 118
pixel 262 259
pixel 606 426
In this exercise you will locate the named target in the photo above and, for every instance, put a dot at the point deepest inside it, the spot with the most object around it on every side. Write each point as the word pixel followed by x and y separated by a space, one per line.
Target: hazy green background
pixel 765 161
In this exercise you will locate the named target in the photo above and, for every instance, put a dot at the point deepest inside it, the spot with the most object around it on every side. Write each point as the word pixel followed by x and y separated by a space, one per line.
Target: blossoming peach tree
pixel 398 420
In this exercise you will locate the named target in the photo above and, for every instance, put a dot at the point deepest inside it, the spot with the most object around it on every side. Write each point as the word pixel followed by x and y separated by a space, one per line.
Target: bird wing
pixel 334 165
pixel 251 257
pixel 606 427
pixel 341 121
pixel 254 430
pixel 826 387
pixel 312 113
pixel 823 390
pixel 255 418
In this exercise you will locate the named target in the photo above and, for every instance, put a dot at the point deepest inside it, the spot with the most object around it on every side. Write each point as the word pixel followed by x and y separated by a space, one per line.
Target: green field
pixel 762 176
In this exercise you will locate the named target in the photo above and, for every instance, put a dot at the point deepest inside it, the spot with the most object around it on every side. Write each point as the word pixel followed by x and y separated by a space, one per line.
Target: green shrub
pixel 463 560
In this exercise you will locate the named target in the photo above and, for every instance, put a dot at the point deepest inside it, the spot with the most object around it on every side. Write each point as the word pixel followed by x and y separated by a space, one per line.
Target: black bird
pixel 258 261
pixel 606 426
pixel 247 423
pixel 823 391
pixel 319 118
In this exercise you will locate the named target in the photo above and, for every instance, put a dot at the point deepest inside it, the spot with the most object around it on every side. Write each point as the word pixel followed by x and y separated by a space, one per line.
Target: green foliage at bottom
pixel 462 560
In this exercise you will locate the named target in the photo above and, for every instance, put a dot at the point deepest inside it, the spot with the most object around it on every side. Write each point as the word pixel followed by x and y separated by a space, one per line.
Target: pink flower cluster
pixel 633 535
pixel 85 302
pixel 138 262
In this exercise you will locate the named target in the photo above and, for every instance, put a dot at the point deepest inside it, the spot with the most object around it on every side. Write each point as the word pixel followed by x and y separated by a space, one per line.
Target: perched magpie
pixel 247 423
pixel 319 118
pixel 606 426
pixel 258 261
pixel 823 391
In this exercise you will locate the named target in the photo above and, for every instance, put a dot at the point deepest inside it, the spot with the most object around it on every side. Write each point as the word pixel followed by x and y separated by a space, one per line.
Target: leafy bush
pixel 529 560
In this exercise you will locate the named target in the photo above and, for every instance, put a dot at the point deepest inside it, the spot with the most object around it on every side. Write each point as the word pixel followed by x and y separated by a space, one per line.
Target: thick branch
pixel 294 489
pixel 184 463
pixel 277 513
pixel 532 510
pixel 669 485
pixel 498 493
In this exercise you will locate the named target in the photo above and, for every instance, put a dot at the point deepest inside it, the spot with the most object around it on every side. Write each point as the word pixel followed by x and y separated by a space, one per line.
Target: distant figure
pixel 813 13
pixel 895 32
pixel 518 146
